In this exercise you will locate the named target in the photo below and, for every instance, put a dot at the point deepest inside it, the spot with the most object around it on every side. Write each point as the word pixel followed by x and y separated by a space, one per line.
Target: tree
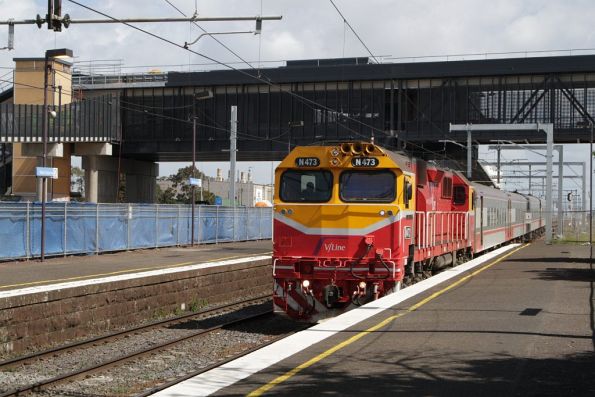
pixel 77 182
pixel 181 191
pixel 167 196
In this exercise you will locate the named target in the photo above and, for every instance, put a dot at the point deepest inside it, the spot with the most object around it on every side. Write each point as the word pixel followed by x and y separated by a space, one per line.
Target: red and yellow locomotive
pixel 353 222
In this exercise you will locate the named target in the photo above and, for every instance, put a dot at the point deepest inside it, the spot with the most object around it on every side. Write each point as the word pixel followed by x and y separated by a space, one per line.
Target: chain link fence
pixel 80 228
pixel 574 227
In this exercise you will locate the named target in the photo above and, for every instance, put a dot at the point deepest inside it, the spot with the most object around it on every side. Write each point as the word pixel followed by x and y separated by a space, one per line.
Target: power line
pixel 213 37
pixel 267 81
pixel 55 88
pixel 304 100
pixel 353 30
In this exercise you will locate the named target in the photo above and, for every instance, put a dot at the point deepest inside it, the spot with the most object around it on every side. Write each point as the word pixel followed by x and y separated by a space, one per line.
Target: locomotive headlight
pixel 335 152
pixel 381 213
pixel 362 284
pixel 334 161
pixel 306 283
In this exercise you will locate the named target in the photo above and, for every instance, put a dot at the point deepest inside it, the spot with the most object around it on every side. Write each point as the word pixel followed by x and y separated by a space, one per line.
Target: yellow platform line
pixel 263 389
pixel 142 269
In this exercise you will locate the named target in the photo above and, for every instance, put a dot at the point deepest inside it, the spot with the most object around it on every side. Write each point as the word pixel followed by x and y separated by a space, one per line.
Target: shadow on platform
pixel 445 375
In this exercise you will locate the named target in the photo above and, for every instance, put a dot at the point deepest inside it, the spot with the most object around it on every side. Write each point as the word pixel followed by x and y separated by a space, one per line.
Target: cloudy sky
pixel 309 29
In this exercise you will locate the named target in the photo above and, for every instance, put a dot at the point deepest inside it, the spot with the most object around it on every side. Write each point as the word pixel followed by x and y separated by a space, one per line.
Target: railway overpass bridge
pixel 401 105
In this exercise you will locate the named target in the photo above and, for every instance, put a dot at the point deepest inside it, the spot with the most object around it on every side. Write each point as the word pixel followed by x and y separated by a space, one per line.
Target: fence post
pixel 65 226
pixel 259 224
pixel 97 228
pixel 217 225
pixel 157 226
pixel 28 232
pixel 128 219
pixel 178 227
pixel 233 224
pixel 199 228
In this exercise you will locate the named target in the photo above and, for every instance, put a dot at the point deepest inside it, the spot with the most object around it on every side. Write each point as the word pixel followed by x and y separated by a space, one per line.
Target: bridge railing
pixel 80 228
pixel 92 120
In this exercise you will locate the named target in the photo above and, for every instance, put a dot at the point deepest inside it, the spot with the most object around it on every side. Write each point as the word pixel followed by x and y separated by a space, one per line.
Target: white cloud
pixel 309 29
pixel 312 28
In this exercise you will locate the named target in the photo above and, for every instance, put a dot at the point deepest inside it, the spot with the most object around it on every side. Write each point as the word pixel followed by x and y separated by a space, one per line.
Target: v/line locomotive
pixel 354 222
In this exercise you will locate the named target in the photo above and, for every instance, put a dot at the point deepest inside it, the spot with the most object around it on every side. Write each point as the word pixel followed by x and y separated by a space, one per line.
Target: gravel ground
pixel 145 372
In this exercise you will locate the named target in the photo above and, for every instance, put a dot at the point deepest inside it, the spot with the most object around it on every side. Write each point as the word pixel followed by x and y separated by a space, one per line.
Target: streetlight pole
pixel 591 198
pixel 193 176
pixel 44 121
pixel 197 96
pixel 47 68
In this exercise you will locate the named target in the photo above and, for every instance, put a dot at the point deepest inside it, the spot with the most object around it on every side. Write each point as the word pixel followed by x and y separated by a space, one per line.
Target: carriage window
pixel 460 195
pixel 369 186
pixel 306 186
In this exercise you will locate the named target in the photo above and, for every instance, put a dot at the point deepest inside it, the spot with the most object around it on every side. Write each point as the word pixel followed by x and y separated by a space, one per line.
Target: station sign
pixel 46 172
pixel 218 200
pixel 307 162
pixel 195 182
pixel 365 162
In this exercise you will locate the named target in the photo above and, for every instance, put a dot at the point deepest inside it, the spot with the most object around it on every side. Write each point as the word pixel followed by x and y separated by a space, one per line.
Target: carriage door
pixel 481 222
pixel 528 218
pixel 509 221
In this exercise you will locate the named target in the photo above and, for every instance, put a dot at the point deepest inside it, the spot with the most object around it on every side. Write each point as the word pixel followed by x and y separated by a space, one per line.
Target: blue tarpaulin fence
pixel 80 228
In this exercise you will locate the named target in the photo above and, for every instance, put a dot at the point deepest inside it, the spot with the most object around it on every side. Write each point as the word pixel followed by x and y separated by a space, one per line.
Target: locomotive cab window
pixel 447 187
pixel 306 186
pixel 459 195
pixel 378 186
pixel 408 192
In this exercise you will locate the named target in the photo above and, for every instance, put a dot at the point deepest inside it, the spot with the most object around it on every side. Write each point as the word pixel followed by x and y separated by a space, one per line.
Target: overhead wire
pixel 189 121
pixel 213 37
pixel 260 78
pixel 64 91
pixel 345 21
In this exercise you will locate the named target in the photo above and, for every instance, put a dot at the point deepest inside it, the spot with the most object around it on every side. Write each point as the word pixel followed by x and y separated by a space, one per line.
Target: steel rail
pixel 38 386
pixel 105 338
pixel 171 383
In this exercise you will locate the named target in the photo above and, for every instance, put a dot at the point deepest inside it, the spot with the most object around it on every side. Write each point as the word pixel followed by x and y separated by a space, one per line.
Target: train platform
pixel 31 273
pixel 516 321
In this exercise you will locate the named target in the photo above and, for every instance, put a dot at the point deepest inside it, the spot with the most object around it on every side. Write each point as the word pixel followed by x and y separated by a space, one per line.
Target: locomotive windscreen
pixel 369 186
pixel 306 186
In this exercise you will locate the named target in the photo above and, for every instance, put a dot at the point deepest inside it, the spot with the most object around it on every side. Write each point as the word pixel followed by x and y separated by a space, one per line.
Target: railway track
pixel 107 364
pixel 171 383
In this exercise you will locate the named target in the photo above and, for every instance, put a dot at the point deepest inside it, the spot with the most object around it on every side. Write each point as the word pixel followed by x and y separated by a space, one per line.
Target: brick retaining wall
pixel 39 320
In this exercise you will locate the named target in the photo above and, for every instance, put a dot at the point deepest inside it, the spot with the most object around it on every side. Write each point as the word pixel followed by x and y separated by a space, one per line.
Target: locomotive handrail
pixel 453 228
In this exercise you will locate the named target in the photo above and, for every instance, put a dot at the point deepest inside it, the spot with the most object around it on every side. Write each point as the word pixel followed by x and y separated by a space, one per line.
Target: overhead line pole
pixel 232 155
pixel 549 131
pixel 144 20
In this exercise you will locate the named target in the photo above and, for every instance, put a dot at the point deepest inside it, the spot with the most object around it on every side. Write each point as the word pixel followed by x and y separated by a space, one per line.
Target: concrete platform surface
pixel 23 274
pixel 524 326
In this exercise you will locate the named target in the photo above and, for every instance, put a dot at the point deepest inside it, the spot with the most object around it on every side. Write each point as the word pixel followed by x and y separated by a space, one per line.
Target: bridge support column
pixel 136 183
pixel 27 157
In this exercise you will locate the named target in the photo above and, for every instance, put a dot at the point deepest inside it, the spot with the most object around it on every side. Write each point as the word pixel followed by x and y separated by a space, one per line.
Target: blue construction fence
pixel 81 228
